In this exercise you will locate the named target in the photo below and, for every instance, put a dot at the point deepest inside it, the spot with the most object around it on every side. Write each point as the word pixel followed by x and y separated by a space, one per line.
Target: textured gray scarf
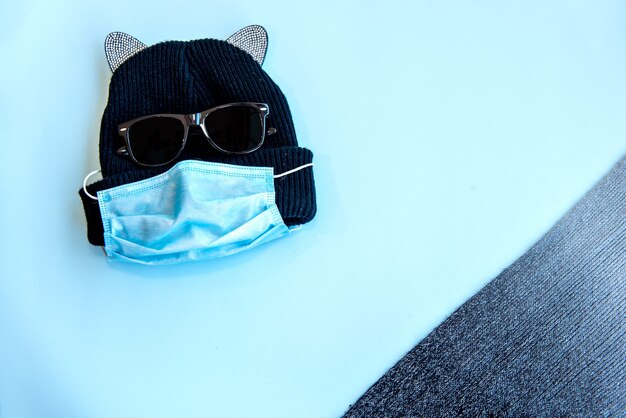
pixel 547 337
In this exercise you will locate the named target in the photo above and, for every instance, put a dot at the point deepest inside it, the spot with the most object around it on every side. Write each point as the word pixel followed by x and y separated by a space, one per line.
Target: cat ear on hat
pixel 253 40
pixel 119 46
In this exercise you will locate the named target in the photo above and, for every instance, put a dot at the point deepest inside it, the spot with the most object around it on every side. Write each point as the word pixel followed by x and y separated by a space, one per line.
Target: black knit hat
pixel 188 77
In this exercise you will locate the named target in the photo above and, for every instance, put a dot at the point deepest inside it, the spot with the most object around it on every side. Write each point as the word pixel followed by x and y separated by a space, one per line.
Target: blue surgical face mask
pixel 197 210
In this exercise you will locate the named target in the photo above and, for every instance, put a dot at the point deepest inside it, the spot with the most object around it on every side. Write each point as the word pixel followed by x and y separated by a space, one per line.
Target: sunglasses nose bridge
pixel 194 119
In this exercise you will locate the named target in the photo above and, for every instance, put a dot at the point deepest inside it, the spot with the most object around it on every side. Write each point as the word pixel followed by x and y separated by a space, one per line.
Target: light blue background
pixel 448 137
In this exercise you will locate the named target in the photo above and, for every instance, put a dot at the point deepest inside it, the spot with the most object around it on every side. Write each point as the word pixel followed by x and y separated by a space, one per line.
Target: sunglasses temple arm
pixel 122 150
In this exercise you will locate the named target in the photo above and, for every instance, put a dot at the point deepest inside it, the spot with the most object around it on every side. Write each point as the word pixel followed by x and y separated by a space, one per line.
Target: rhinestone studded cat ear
pixel 119 46
pixel 253 40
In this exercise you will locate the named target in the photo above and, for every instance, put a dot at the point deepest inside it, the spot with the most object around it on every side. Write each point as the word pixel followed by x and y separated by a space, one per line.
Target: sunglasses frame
pixel 189 120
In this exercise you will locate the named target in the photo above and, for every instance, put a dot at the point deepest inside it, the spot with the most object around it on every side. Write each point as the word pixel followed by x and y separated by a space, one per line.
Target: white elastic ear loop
pixel 85 184
pixel 275 176
pixel 293 170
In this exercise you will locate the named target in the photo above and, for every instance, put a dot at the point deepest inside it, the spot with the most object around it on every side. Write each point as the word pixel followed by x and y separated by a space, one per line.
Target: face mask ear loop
pixel 293 170
pixel 85 184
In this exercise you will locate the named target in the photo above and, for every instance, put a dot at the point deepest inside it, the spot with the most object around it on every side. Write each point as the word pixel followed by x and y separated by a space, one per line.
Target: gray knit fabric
pixel 546 338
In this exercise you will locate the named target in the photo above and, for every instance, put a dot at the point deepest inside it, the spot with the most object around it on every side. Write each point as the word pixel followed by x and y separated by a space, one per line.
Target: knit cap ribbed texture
pixel 546 338
pixel 187 77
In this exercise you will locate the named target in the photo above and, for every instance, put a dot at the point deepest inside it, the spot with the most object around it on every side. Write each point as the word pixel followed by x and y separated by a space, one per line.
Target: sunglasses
pixel 234 128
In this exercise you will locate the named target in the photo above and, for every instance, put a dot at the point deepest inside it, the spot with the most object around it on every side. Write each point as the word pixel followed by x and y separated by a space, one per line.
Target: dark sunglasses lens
pixel 237 128
pixel 157 140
